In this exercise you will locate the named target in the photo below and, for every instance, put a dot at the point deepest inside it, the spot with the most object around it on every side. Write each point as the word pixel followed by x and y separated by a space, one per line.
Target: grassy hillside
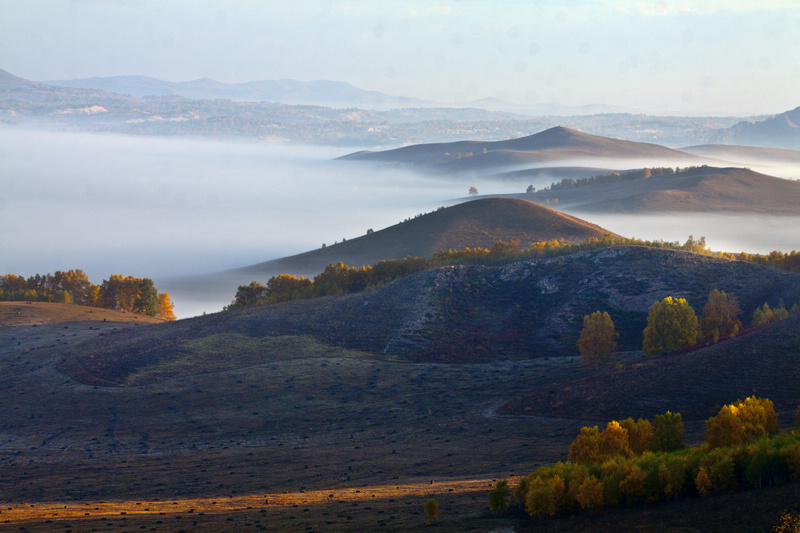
pixel 297 417
pixel 701 189
pixel 40 313
pixel 463 314
pixel 693 383
pixel 478 223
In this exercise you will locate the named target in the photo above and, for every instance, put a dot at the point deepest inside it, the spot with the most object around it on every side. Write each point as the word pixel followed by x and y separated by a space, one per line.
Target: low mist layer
pixel 170 208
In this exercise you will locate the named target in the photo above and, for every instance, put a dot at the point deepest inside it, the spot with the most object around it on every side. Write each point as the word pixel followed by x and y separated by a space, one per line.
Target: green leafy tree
pixel 598 339
pixel 719 318
pixel 249 294
pixel 766 315
pixel 147 300
pixel 540 500
pixel 431 510
pixel 498 497
pixel 671 325
pixel 667 432
pixel 632 483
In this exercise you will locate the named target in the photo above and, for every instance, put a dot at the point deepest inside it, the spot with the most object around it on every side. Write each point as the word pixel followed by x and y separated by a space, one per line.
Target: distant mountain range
pixel 292 92
pixel 338 112
pixel 780 131
pixel 318 92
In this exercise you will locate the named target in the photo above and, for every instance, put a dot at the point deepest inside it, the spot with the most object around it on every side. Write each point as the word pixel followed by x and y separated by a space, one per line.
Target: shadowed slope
pixel 458 314
pixel 695 383
pixel 700 189
pixel 479 223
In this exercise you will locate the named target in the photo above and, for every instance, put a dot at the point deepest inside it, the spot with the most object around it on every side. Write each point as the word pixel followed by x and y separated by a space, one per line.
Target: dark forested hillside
pixel 526 309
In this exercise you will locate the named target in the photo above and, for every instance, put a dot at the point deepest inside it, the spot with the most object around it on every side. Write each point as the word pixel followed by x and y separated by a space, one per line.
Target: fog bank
pixel 169 208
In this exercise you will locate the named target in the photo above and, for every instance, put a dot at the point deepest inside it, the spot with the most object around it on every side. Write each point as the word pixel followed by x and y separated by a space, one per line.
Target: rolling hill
pixel 545 148
pixel 357 398
pixel 477 223
pixel 701 189
pixel 470 314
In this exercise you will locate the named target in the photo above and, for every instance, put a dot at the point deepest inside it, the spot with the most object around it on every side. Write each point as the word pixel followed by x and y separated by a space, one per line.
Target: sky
pixel 669 57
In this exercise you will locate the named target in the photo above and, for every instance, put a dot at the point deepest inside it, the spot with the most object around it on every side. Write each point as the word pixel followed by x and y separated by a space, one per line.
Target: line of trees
pixel 335 279
pixel 118 292
pixel 612 177
pixel 343 279
pixel 672 325
pixel 786 261
pixel 630 463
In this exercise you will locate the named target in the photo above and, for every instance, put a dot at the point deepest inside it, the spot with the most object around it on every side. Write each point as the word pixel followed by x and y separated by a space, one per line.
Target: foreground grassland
pixel 288 419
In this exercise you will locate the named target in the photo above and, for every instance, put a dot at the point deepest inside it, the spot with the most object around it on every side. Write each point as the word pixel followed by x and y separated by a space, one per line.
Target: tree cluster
pixel 785 261
pixel 613 177
pixel 631 462
pixel 335 279
pixel 766 315
pixel 343 279
pixel 121 293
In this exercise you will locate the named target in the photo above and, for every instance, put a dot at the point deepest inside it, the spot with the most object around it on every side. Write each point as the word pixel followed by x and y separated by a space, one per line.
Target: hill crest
pixel 700 189
pixel 543 148
pixel 469 314
pixel 476 223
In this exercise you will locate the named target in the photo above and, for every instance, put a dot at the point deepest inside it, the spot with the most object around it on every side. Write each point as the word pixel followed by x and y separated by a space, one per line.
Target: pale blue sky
pixel 683 56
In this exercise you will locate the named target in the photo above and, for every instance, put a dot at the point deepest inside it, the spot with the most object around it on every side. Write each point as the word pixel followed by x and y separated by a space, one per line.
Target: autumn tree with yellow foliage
pixel 671 326
pixel 719 319
pixel 741 421
pixel 598 339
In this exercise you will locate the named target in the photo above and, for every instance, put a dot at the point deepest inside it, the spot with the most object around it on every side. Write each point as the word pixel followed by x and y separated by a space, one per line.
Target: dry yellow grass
pixel 39 313
pixel 32 511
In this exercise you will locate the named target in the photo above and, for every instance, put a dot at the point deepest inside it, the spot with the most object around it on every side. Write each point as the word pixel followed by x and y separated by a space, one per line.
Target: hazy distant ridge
pixel 557 144
pixel 780 131
pixel 318 92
